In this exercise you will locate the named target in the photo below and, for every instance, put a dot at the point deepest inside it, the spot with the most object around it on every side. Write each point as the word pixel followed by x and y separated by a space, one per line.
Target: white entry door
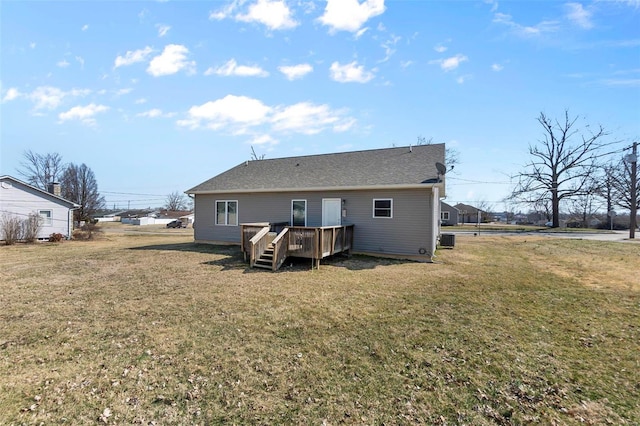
pixel 331 212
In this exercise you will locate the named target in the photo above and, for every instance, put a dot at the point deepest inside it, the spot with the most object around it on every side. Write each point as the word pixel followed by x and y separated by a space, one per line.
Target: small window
pixel 45 217
pixel 383 208
pixel 444 215
pixel 227 213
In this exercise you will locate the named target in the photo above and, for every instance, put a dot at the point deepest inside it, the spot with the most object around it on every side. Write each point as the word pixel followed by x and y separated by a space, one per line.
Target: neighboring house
pixel 470 214
pixel 390 196
pixel 449 215
pixel 20 199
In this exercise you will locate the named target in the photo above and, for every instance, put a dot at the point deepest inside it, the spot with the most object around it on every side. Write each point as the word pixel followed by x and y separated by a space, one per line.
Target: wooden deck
pixel 266 249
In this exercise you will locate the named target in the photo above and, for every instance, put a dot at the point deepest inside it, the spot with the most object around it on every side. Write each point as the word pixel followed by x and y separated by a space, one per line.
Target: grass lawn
pixel 133 329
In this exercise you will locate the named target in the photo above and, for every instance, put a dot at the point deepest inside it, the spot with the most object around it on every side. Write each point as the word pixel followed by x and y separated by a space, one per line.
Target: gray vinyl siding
pixel 453 214
pixel 19 200
pixel 409 230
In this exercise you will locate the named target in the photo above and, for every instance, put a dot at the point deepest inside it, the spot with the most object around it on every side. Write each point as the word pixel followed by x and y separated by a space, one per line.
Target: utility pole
pixel 633 159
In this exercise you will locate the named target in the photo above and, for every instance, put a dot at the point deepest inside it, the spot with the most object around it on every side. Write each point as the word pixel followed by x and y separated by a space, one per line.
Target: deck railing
pixel 318 243
pixel 298 241
pixel 258 244
pixel 280 249
pixel 249 230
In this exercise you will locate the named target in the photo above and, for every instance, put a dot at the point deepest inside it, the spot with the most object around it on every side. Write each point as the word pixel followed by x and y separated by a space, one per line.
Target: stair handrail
pixel 258 244
pixel 280 249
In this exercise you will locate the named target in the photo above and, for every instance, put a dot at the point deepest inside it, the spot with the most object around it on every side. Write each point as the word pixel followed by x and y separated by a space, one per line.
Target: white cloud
pixel 241 115
pixel 32 45
pixel 228 111
pixel 526 31
pixel 172 59
pixel 275 14
pixel 350 15
pixel 497 67
pixel 305 118
pixel 11 94
pixel 361 32
pixel 80 60
pixel 406 64
pixel 133 56
pixel 263 140
pixel 140 101
pixel 294 72
pixel 493 3
pixel 163 29
pixel 579 15
pixel 440 48
pixel 63 63
pixel 83 113
pixel 152 113
pixel 124 91
pixel 47 97
pixel 232 68
pixel 350 73
pixel 389 47
pixel 225 12
pixel 449 64
pixel 85 27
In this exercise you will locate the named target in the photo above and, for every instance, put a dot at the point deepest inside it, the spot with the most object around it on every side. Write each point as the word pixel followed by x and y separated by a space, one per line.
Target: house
pixel 449 215
pixel 470 214
pixel 388 198
pixel 20 199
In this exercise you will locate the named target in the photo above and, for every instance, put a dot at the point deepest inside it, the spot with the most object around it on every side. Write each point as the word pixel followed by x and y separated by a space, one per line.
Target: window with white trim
pixel 383 208
pixel 444 215
pixel 46 217
pixel 227 212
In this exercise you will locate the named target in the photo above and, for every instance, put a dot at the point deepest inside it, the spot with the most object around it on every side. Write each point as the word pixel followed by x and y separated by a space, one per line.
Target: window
pixel 45 217
pixel 383 208
pixel 298 212
pixel 227 213
pixel 444 215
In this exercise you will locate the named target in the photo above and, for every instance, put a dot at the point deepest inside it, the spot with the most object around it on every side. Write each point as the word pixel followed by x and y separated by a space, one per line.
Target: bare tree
pixel 79 185
pixel 40 170
pixel 176 201
pixel 255 156
pixel 451 155
pixel 561 163
pixel 621 185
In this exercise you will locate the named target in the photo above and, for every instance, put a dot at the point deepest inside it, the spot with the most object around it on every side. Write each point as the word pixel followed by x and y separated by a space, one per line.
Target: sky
pixel 159 96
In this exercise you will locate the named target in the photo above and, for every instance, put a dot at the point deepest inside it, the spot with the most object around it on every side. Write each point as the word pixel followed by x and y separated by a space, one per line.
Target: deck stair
pixel 265 260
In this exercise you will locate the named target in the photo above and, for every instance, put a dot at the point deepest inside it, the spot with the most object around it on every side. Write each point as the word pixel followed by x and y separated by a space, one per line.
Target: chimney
pixel 54 188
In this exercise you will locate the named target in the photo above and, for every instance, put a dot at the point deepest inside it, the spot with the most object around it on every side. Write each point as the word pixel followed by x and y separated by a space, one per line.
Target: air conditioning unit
pixel 447 240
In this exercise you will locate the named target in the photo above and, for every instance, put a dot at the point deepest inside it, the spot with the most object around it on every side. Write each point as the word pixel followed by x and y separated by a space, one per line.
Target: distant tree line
pixel 575 165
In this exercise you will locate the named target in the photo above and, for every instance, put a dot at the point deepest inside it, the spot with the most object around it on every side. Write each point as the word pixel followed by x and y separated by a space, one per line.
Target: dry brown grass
pixel 139 328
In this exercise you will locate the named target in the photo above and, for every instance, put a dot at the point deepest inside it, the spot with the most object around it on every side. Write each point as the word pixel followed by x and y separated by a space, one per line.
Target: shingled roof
pixel 391 167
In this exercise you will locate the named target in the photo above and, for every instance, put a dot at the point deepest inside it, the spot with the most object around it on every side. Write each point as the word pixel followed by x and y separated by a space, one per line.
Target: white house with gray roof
pixel 390 196
pixel 19 199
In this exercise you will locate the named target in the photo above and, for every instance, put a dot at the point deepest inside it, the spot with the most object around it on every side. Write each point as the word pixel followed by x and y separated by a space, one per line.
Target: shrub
pixel 56 237
pixel 88 231
pixel 31 227
pixel 11 228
